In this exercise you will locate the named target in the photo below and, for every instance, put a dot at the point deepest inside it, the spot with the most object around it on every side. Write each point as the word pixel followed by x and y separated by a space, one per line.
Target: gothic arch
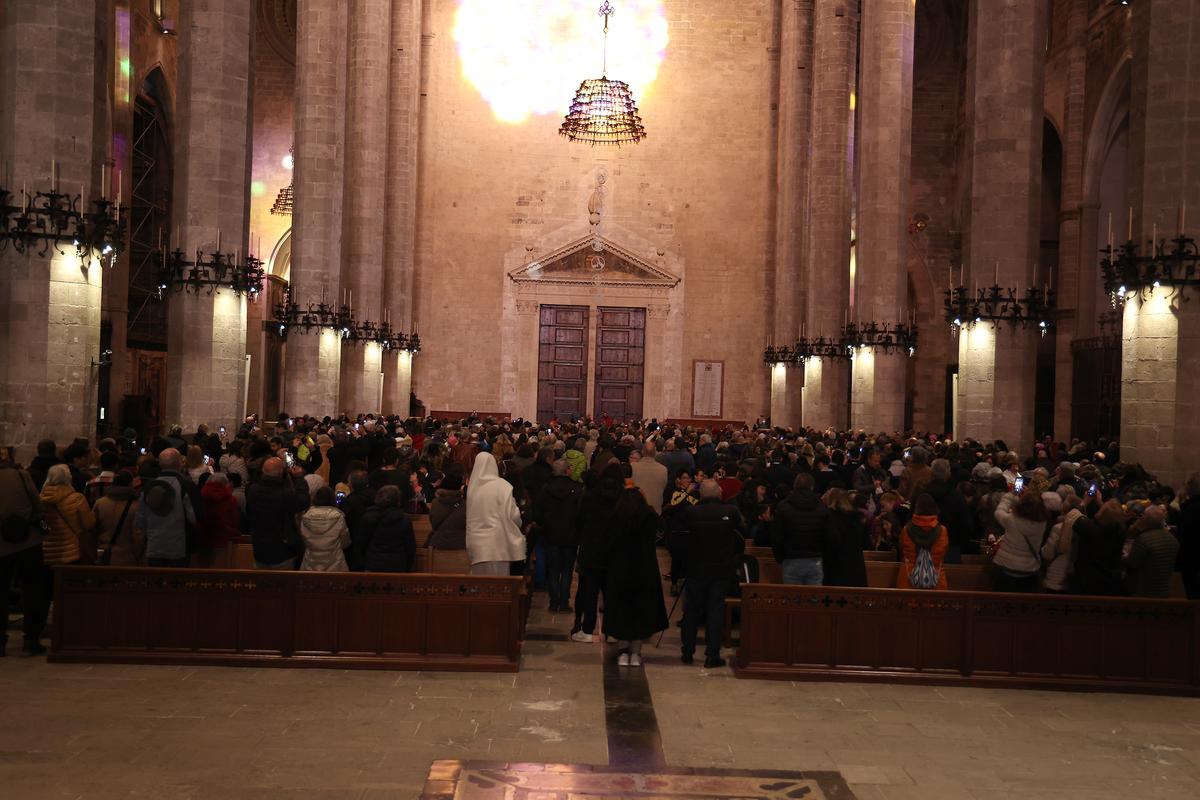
pixel 1111 113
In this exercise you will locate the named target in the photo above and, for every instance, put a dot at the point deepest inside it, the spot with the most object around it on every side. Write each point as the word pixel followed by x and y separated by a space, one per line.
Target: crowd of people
pixel 598 500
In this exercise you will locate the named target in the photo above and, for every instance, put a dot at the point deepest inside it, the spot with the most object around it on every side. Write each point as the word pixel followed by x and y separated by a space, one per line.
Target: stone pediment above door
pixel 593 260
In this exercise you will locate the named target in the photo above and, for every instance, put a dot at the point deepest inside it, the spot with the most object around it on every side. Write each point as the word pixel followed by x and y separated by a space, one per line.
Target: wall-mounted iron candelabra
pixel 209 271
pixel 1174 263
pixel 41 221
pixel 290 317
pixel 900 338
pixel 1034 309
pixel 889 338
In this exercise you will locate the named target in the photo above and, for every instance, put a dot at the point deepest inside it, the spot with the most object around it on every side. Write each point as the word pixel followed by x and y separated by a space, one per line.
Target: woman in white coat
pixel 494 538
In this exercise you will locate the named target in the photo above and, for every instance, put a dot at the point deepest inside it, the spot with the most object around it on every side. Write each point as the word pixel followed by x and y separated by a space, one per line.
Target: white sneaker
pixel 580 636
pixel 623 660
pixel 635 660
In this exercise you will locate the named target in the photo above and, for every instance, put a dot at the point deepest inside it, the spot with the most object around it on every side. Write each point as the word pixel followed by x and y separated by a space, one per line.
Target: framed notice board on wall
pixel 708 388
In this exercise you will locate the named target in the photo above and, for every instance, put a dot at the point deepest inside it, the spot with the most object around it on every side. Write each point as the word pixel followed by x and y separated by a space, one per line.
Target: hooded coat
pixel 633 597
pixel 493 519
pixel 221 521
pixel 130 547
pixel 69 523
pixel 447 520
pixel 325 535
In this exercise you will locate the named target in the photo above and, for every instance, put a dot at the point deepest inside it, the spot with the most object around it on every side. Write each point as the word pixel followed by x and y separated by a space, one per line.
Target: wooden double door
pixel 564 358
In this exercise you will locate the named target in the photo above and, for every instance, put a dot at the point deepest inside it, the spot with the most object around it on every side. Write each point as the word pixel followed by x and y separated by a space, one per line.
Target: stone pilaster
pixel 827 251
pixel 50 328
pixel 313 361
pixel 397 370
pixel 403 136
pixel 1005 63
pixel 884 156
pixel 791 189
pixel 368 67
pixel 206 361
pixel 1076 256
pixel 1160 385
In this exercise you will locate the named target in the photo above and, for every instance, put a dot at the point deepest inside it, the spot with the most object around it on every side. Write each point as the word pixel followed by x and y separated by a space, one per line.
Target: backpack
pixel 923 575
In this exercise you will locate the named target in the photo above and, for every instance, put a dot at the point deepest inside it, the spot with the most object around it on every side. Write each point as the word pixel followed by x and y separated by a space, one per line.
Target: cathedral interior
pixel 855 224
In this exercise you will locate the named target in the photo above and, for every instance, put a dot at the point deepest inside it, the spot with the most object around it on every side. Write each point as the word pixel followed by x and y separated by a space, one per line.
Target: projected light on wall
pixel 527 57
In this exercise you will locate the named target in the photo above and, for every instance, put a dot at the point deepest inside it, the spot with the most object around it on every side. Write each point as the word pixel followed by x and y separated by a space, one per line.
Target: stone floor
pixel 74 731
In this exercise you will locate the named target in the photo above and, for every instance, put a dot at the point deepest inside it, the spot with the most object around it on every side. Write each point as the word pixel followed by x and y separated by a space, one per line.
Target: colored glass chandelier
pixel 603 111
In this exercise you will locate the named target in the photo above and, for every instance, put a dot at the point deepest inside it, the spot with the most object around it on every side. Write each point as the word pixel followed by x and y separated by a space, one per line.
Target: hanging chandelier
pixel 603 111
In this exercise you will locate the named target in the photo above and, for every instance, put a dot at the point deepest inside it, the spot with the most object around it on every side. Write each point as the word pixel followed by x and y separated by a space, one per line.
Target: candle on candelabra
pixel 1182 217
pixel 25 196
pixel 82 200
pixel 218 240
pixel 1035 271
pixel 961 274
pixel 1110 230
pixel 1153 237
pixel 1130 237
pixel 996 274
pixel 103 183
pixel 53 175
pixel 118 187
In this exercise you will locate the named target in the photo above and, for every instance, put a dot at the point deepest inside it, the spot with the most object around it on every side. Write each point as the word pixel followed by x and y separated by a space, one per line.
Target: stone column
pixel 827 251
pixel 367 57
pixel 1160 384
pixel 403 135
pixel 206 360
pixel 314 360
pixel 884 156
pixel 791 188
pixel 50 328
pixel 1005 62
pixel 1076 256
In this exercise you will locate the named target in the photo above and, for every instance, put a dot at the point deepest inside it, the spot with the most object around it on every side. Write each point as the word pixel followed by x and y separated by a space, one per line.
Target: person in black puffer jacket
pixel 387 538
pixel 844 563
pixel 555 511
pixel 953 513
pixel 800 533
pixel 594 524
pixel 711 550
pixel 1099 541
pixel 271 508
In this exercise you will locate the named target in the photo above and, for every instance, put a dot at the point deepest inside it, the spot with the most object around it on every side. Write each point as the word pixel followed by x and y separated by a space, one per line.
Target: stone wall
pixel 697 190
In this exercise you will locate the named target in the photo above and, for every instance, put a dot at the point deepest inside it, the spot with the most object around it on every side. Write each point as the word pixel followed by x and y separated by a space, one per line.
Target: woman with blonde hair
pixel 196 465
pixel 69 522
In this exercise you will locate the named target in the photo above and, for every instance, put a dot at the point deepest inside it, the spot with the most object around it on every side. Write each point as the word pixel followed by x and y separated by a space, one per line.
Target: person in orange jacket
pixel 923 544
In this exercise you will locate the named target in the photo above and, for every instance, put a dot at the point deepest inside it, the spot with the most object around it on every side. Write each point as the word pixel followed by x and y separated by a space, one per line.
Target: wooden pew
pixel 282 619
pixel 969 638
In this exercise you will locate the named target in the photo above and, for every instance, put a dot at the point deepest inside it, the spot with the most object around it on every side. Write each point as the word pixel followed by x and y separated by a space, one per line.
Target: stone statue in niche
pixel 596 201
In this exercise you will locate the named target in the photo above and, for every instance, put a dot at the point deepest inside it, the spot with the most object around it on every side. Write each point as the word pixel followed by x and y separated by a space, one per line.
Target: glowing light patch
pixel 528 57
pixel 257 188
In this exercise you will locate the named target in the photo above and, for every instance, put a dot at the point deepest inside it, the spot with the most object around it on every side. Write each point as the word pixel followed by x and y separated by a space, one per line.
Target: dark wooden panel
pixel 620 355
pixel 267 618
pixel 359 625
pixel 449 629
pixel 1048 641
pixel 562 361
pixel 315 626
